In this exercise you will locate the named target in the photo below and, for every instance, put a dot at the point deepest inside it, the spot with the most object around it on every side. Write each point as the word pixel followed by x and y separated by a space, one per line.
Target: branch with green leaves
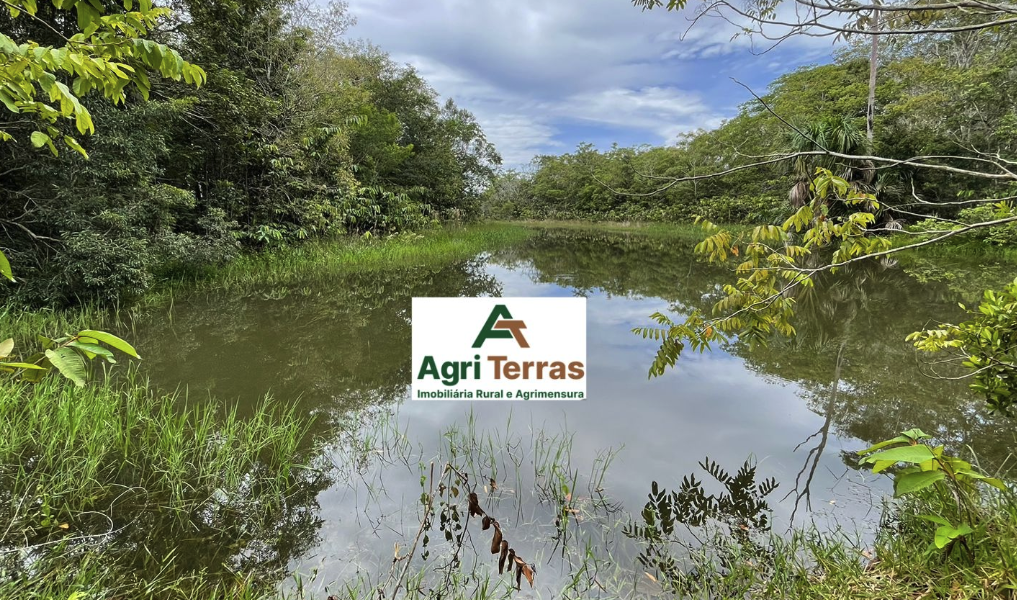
pixel 986 344
pixel 918 467
pixel 68 355
pixel 771 263
pixel 107 55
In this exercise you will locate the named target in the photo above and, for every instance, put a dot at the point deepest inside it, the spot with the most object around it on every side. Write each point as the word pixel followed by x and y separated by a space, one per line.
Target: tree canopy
pixel 294 133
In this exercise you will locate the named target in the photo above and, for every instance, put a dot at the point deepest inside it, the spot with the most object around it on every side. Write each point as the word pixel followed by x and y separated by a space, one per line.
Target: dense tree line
pixel 296 133
pixel 936 95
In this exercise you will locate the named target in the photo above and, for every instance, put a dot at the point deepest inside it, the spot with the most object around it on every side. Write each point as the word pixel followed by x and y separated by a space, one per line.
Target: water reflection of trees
pixel 849 360
pixel 332 345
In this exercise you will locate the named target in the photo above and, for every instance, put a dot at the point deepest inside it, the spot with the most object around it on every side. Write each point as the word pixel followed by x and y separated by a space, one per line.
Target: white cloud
pixel 529 69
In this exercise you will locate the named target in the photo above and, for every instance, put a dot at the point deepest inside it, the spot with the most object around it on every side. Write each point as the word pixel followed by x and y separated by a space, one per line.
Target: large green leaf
pixel 5 267
pixel 36 375
pixel 93 350
pixel 916 434
pixel 69 363
pixel 938 520
pixel 110 340
pixel 908 454
pixel 996 483
pixel 20 365
pixel 912 482
pixel 900 439
pixel 946 534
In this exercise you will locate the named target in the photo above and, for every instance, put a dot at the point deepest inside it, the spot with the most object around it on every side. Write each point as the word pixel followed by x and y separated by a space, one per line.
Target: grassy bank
pixel 113 490
pixel 689 230
pixel 327 259
pixel 321 260
pixel 900 563
pixel 960 249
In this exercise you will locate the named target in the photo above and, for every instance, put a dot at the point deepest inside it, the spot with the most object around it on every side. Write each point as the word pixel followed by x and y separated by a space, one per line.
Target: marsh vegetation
pixel 253 200
pixel 306 473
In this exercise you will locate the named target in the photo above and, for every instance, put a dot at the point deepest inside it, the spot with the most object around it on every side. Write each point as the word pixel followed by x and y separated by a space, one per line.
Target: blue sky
pixel 541 76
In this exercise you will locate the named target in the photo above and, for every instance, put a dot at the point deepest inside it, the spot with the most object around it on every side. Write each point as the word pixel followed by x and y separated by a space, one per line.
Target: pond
pixel 567 479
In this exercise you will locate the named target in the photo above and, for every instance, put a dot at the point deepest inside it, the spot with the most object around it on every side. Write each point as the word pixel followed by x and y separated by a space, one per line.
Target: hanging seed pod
pixel 496 540
pixel 527 573
pixel 487 522
pixel 504 557
pixel 475 510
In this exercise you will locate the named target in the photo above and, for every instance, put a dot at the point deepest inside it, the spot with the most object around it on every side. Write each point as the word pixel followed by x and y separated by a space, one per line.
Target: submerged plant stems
pixel 87 472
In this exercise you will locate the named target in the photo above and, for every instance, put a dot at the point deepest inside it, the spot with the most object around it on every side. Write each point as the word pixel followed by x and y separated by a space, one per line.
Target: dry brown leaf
pixel 475 510
pixel 504 557
pixel 494 485
pixel 496 540
pixel 527 573
pixel 487 522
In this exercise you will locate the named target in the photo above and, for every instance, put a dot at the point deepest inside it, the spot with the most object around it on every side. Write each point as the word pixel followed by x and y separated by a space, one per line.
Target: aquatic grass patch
pixel 494 507
pixel 690 232
pixel 320 259
pixel 153 488
pixel 329 259
pixel 960 249
pixel 24 325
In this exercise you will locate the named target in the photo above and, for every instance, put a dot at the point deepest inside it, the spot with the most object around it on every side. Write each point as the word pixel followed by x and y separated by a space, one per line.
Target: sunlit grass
pixel 320 260
pixel 327 259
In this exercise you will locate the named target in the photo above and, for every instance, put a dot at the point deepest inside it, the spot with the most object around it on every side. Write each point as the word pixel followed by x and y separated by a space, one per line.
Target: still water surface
pixel 340 350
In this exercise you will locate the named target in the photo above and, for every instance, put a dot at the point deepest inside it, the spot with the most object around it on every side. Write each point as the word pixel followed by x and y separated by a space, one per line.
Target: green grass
pixel 326 259
pixel 685 231
pixel 87 474
pixel 808 564
pixel 959 248
pixel 317 260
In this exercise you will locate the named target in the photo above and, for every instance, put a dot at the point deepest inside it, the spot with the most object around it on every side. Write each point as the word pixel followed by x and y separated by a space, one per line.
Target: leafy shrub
pixel 1000 235
pixel 104 267
pixel 986 344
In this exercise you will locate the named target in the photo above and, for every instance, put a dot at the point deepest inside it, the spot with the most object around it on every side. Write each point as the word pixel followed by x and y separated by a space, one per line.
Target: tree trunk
pixel 870 113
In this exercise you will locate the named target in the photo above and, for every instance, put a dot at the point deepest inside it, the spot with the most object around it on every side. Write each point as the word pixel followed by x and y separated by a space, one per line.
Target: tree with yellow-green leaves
pixel 108 54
